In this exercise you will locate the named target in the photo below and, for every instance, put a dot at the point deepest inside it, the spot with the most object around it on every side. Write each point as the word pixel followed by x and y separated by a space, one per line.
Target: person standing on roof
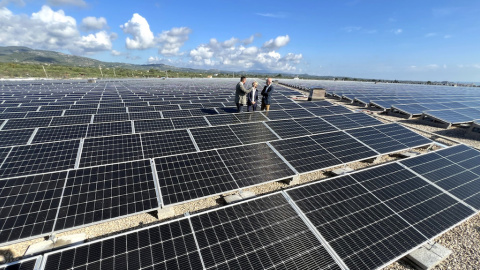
pixel 267 95
pixel 241 94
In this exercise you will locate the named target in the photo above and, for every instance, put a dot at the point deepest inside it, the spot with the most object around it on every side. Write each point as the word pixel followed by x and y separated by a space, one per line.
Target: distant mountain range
pixel 26 55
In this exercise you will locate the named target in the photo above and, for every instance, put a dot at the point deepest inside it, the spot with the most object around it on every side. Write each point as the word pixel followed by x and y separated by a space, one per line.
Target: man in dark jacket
pixel 252 98
pixel 267 95
pixel 241 94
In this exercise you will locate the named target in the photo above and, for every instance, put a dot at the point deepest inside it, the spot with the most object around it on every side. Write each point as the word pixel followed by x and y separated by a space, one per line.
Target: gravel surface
pixel 464 240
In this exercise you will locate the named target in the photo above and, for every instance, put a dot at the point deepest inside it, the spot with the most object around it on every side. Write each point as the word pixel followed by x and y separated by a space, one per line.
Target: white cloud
pixel 233 54
pixel 116 53
pixel 77 3
pixel 397 31
pixel 50 30
pixel 170 41
pixel 139 28
pixel 249 40
pixel 430 35
pixel 93 23
pixel 277 43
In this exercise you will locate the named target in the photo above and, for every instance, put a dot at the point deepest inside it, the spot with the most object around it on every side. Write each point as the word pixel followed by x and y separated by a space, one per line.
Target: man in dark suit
pixel 267 95
pixel 241 94
pixel 252 98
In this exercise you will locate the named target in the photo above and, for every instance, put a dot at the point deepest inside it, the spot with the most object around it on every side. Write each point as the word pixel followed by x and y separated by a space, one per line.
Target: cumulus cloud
pixel 93 23
pixel 170 41
pixel 277 43
pixel 139 28
pixel 234 54
pixel 116 53
pixel 4 3
pixel 77 3
pixel 50 30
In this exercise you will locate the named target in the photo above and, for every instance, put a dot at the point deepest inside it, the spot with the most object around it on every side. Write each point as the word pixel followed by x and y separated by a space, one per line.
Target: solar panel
pixel 287 128
pixel 265 233
pixel 110 117
pixel 287 106
pixel 144 115
pixel 320 103
pixel 166 143
pixel 107 129
pixel 15 137
pixel 80 112
pixel 214 137
pixel 343 146
pixel 189 122
pixel 153 125
pixel 200 112
pixel 455 169
pixel 191 176
pixel 253 133
pixel 119 111
pixel 101 193
pixel 305 155
pixel 12 115
pixel 403 135
pixel 321 111
pixel 363 231
pixel 71 120
pixel 167 246
pixel 315 125
pixel 39 158
pixel 354 120
pixel 27 123
pixel 104 150
pixel 29 205
pixel 276 115
pixel 43 114
pixel 338 109
pixel 250 117
pixel 51 134
pixel 176 114
pixel 223 110
pixel 363 119
pixel 254 164
pixel 222 119
pixel 141 109
pixel 25 264
pixel 299 113
pixel 191 106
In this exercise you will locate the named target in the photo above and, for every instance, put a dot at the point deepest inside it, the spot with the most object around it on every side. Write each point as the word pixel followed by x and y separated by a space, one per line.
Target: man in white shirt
pixel 252 98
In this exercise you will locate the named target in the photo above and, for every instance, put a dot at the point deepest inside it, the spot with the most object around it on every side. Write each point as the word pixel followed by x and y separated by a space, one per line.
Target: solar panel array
pixel 459 105
pixel 105 176
pixel 363 220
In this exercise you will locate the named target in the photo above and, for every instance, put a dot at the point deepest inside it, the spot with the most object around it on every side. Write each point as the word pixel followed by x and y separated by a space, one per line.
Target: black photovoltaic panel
pixel 315 125
pixel 287 106
pixel 403 135
pixel 105 192
pixel 166 143
pixel 107 129
pixel 299 113
pixel 305 155
pixel 455 169
pixel 61 133
pixel 254 164
pixel 277 115
pixel 110 117
pixel 118 111
pixel 265 233
pixel 27 123
pixel 321 111
pixel 344 147
pixel 176 114
pixel 200 112
pixel 253 133
pixel 43 114
pixel 189 122
pixel 71 120
pixel 363 231
pixel 351 120
pixel 222 119
pixel 422 205
pixel 166 246
pixel 166 107
pixel 308 105
pixel 11 115
pixel 214 137
pixel 24 108
pixel 377 137
pixel 250 117
pixel 338 109
pixel 287 128
pixel 191 106
pixel 39 158
pixel 80 112
pixel 105 150
pixel 319 103
pixel 224 110
pixel 153 125
pixel 141 109
pixel 191 176
pixel 15 137
pixel 26 264
pixel 144 115
pixel 29 205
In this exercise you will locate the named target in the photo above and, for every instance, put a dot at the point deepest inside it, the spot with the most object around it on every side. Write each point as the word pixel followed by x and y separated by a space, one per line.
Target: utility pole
pixel 45 71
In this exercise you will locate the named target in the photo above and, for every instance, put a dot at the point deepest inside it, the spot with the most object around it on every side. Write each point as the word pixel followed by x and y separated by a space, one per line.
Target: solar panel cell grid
pixel 166 143
pixel 191 122
pixel 214 137
pixel 26 264
pixel 29 205
pixel 287 128
pixel 51 134
pixel 107 129
pixel 39 158
pixel 15 137
pixel 101 193
pixel 110 117
pixel 27 123
pixel 253 133
pixel 105 150
pixel 315 125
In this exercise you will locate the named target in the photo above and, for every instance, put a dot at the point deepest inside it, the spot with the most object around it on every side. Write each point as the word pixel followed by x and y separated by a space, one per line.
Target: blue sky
pixel 418 40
